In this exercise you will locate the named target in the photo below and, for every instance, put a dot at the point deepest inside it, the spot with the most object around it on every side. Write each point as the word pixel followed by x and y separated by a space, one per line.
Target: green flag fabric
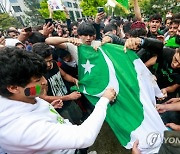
pixel 123 4
pixel 133 115
pixel 172 43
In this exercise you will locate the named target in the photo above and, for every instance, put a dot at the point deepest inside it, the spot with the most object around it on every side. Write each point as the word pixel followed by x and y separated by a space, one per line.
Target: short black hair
pixel 74 24
pixel 138 32
pixel 155 17
pixel 109 28
pixel 42 49
pixel 86 28
pixel 17 67
pixel 36 37
pixel 175 21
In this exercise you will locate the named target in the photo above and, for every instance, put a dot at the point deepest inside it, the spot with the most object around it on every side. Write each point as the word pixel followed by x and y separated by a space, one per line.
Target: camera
pixel 100 9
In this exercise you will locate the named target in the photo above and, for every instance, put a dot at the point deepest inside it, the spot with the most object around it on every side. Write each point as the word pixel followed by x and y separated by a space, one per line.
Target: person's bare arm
pixel 57 41
pixel 50 11
pixel 72 96
pixel 151 61
pixel 68 77
pixel 137 10
pixel 169 89
pixel 161 108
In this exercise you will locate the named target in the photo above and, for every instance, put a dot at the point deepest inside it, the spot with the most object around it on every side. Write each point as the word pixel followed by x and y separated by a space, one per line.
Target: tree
pixel 7 21
pixel 57 15
pixel 34 17
pixel 149 7
pixel 89 7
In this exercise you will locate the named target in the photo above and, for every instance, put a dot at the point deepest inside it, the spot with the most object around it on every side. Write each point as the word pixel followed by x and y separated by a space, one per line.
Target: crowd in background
pixel 156 42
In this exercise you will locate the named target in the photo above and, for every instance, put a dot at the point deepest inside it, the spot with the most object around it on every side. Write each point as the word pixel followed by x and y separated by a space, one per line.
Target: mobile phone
pixel 100 9
pixel 49 20
pixel 28 29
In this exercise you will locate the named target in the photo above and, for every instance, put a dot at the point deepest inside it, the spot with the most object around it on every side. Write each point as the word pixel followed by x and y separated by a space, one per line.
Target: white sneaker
pixel 92 152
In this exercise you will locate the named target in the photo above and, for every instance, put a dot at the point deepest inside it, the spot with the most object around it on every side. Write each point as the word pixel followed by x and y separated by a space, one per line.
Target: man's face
pixel 175 64
pixel 59 30
pixel 154 26
pixel 173 29
pixel 74 30
pixel 36 87
pixel 168 22
pixel 87 39
pixel 13 35
pixel 49 62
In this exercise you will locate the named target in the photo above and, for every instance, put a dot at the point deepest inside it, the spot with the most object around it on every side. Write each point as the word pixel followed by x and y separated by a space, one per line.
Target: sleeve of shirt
pixel 73 51
pixel 55 136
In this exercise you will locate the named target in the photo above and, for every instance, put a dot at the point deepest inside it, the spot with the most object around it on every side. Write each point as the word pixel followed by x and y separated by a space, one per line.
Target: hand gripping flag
pixel 133 115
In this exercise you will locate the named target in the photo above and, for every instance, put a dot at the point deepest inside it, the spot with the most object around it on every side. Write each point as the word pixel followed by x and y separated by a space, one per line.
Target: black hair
pixel 165 21
pixel 138 32
pixel 74 24
pixel 155 17
pixel 36 37
pixel 19 43
pixel 86 28
pixel 109 28
pixel 17 67
pixel 127 27
pixel 176 16
pixel 42 49
pixel 175 21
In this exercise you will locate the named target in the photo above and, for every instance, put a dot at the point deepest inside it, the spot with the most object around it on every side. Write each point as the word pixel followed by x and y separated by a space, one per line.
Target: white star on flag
pixel 87 67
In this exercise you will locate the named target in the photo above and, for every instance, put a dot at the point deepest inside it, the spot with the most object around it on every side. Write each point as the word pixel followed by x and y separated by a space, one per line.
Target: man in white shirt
pixel 30 124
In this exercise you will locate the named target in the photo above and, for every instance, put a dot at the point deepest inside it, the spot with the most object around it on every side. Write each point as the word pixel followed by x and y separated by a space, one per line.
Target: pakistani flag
pixel 133 115
pixel 121 3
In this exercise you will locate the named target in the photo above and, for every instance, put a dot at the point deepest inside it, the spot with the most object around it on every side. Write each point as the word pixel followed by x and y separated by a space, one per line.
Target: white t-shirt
pixel 74 51
pixel 38 129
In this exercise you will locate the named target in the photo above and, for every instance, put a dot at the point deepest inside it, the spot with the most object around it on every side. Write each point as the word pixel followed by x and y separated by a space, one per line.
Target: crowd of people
pixel 38 66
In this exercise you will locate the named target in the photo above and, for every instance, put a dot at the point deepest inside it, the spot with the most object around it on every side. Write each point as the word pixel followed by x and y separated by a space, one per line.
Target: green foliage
pixel 118 11
pixel 34 17
pixel 149 7
pixel 89 7
pixel 57 15
pixel 7 21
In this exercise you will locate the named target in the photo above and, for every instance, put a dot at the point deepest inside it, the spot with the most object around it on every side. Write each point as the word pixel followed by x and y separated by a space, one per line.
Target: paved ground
pixel 107 143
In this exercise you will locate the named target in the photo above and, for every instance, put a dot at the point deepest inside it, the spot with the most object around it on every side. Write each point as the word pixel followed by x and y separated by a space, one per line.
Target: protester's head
pixel 74 27
pixel 110 28
pixel 173 27
pixel 65 55
pixel 154 23
pixel 86 32
pixel 20 70
pixel 167 22
pixel 65 32
pixel 59 30
pixel 176 59
pixel 138 29
pixel 20 45
pixel 12 32
pixel 126 29
pixel 45 51
pixel 36 37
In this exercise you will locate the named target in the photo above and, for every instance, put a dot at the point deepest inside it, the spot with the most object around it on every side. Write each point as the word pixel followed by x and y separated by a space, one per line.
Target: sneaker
pixel 92 152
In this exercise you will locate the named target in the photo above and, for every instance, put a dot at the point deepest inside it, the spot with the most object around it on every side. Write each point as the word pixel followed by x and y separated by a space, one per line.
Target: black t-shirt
pixel 56 86
pixel 166 75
